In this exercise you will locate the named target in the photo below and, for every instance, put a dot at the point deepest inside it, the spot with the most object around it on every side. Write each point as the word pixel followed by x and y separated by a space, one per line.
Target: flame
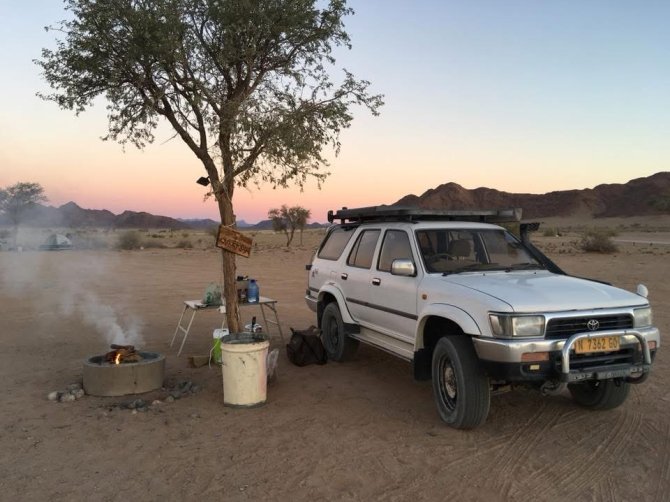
pixel 117 359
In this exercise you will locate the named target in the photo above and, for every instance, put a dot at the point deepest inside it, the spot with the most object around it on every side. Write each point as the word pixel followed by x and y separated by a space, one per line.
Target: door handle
pixel 376 281
pixel 344 276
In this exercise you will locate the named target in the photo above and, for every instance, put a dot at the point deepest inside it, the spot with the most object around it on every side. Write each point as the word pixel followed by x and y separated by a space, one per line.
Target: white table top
pixel 197 304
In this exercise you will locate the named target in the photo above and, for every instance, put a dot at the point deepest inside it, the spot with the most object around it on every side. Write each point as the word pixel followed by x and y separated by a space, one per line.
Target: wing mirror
pixel 403 267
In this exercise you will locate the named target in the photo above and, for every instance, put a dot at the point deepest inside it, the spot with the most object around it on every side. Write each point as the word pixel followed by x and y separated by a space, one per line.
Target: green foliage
pixel 244 81
pixel 16 199
pixel 598 241
pixel 288 219
pixel 129 240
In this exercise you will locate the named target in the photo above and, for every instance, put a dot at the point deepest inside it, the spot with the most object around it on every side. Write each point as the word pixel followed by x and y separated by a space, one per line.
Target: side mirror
pixel 404 267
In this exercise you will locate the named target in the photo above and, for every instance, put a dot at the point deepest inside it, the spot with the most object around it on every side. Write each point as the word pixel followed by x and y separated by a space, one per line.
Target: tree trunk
pixel 225 202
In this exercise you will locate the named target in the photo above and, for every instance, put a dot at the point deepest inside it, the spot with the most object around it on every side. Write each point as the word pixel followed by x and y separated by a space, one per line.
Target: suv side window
pixel 364 248
pixel 337 240
pixel 395 246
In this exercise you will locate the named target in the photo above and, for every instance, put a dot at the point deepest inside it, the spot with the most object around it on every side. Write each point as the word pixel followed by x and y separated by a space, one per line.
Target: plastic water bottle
pixel 252 293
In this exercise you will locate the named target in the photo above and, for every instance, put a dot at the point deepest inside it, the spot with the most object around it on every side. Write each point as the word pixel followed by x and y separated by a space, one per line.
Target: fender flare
pixel 450 312
pixel 331 289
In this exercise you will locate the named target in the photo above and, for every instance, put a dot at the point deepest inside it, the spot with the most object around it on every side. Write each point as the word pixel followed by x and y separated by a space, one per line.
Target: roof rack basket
pixel 404 213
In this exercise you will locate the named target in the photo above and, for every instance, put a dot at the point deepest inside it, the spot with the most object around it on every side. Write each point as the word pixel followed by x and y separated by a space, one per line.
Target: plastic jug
pixel 252 292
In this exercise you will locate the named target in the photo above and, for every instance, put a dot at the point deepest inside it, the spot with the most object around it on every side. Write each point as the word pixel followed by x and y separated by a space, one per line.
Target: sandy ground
pixel 360 430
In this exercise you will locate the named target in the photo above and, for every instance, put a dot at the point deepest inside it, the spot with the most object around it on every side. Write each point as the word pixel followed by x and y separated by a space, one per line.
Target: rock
pixel 175 394
pixel 53 396
pixel 73 386
pixel 134 412
pixel 78 393
pixel 66 398
pixel 169 399
pixel 195 389
pixel 156 402
pixel 139 403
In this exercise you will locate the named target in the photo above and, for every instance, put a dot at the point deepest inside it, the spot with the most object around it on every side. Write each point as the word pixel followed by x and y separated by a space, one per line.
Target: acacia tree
pixel 15 200
pixel 246 84
pixel 288 219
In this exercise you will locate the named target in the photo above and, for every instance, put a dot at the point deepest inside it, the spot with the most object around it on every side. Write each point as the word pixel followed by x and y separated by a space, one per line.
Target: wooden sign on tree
pixel 233 241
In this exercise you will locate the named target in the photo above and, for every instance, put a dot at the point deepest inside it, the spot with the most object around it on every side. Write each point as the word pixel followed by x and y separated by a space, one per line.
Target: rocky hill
pixel 70 215
pixel 638 197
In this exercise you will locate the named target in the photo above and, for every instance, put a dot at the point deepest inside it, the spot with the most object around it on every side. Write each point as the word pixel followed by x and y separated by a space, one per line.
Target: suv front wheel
pixel 337 343
pixel 460 388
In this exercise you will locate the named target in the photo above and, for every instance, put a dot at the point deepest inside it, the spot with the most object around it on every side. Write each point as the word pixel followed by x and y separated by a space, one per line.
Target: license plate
pixel 604 344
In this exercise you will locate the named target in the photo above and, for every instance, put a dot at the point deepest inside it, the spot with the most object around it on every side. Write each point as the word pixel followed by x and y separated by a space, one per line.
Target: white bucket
pixel 244 369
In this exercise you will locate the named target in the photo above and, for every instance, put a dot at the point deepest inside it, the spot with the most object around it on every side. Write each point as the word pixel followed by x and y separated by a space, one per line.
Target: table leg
pixel 186 332
pixel 178 325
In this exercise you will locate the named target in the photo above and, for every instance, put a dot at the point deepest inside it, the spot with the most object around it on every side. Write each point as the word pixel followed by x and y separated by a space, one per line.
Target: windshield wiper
pixel 474 267
pixel 524 266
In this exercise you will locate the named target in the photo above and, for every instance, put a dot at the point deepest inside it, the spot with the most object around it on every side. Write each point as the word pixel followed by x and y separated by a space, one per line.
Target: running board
pixel 387 343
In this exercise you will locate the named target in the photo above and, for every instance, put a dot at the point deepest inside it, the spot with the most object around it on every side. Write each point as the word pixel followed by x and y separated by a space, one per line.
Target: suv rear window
pixel 362 252
pixel 335 242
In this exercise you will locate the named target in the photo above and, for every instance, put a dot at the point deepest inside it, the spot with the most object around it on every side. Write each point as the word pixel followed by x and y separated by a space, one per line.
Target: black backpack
pixel 305 347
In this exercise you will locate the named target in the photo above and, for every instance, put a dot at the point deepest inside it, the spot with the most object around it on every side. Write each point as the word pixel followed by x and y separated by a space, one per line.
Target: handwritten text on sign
pixel 233 241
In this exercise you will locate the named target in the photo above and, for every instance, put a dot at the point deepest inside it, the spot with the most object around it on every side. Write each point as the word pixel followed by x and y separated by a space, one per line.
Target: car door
pixel 393 301
pixel 354 278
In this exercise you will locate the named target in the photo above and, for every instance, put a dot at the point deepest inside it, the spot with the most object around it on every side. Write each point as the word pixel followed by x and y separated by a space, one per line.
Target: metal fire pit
pixel 107 379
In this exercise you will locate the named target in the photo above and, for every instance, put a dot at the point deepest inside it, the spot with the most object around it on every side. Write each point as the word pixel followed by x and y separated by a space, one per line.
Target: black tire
pixel 460 387
pixel 600 394
pixel 337 343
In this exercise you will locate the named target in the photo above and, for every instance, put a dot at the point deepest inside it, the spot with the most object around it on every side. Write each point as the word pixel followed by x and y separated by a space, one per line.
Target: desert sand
pixel 360 430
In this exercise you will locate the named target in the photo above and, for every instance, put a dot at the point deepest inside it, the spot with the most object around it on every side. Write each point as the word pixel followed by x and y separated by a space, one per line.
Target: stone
pixel 156 402
pixel 175 394
pixel 73 386
pixel 169 399
pixel 53 396
pixel 195 389
pixel 66 398
pixel 78 393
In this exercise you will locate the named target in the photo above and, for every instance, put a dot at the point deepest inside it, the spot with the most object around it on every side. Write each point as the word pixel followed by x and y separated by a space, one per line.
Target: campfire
pixel 122 354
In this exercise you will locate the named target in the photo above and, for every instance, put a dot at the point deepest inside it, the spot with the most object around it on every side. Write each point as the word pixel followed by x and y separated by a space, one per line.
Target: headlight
pixel 642 317
pixel 517 326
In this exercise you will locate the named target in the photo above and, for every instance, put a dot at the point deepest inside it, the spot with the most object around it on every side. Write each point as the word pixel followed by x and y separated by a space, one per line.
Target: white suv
pixel 475 309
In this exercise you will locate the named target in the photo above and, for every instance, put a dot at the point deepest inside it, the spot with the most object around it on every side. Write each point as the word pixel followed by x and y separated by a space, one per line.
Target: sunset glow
pixel 532 97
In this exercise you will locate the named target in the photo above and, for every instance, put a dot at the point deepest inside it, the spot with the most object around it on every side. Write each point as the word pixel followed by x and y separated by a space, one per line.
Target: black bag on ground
pixel 305 347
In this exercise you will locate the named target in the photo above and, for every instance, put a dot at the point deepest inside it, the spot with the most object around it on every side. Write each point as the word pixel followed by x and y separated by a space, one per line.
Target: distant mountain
pixel 70 215
pixel 638 197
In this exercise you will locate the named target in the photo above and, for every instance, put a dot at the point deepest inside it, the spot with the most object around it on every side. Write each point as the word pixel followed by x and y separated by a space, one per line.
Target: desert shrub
pixel 185 244
pixel 598 241
pixel 184 235
pixel 154 245
pixel 157 236
pixel 129 239
pixel 549 232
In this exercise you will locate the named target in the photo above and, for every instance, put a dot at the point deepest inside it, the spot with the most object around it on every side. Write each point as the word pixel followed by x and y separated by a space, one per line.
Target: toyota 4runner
pixel 475 309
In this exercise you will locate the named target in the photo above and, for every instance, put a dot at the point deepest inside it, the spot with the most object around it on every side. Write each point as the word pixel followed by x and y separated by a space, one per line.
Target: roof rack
pixel 405 213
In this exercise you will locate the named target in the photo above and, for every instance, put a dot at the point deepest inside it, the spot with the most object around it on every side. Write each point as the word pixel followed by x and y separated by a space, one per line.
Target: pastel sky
pixel 519 95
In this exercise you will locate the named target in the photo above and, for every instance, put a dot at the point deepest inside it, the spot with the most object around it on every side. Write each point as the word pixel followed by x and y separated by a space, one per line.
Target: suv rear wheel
pixel 461 390
pixel 337 343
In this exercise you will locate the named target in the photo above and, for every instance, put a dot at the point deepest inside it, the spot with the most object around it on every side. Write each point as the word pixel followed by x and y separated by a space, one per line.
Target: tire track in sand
pixel 664 478
pixel 568 480
pixel 516 448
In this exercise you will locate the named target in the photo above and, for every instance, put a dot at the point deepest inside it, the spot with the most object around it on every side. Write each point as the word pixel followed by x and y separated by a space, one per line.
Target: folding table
pixel 196 305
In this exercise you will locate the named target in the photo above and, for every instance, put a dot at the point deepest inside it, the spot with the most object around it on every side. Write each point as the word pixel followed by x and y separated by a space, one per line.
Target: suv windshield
pixel 451 251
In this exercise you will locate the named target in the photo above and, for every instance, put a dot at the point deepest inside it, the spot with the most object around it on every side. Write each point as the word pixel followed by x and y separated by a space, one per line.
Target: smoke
pixel 72 285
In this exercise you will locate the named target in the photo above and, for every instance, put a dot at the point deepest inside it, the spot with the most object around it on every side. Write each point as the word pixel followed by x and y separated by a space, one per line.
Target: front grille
pixel 585 361
pixel 565 327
